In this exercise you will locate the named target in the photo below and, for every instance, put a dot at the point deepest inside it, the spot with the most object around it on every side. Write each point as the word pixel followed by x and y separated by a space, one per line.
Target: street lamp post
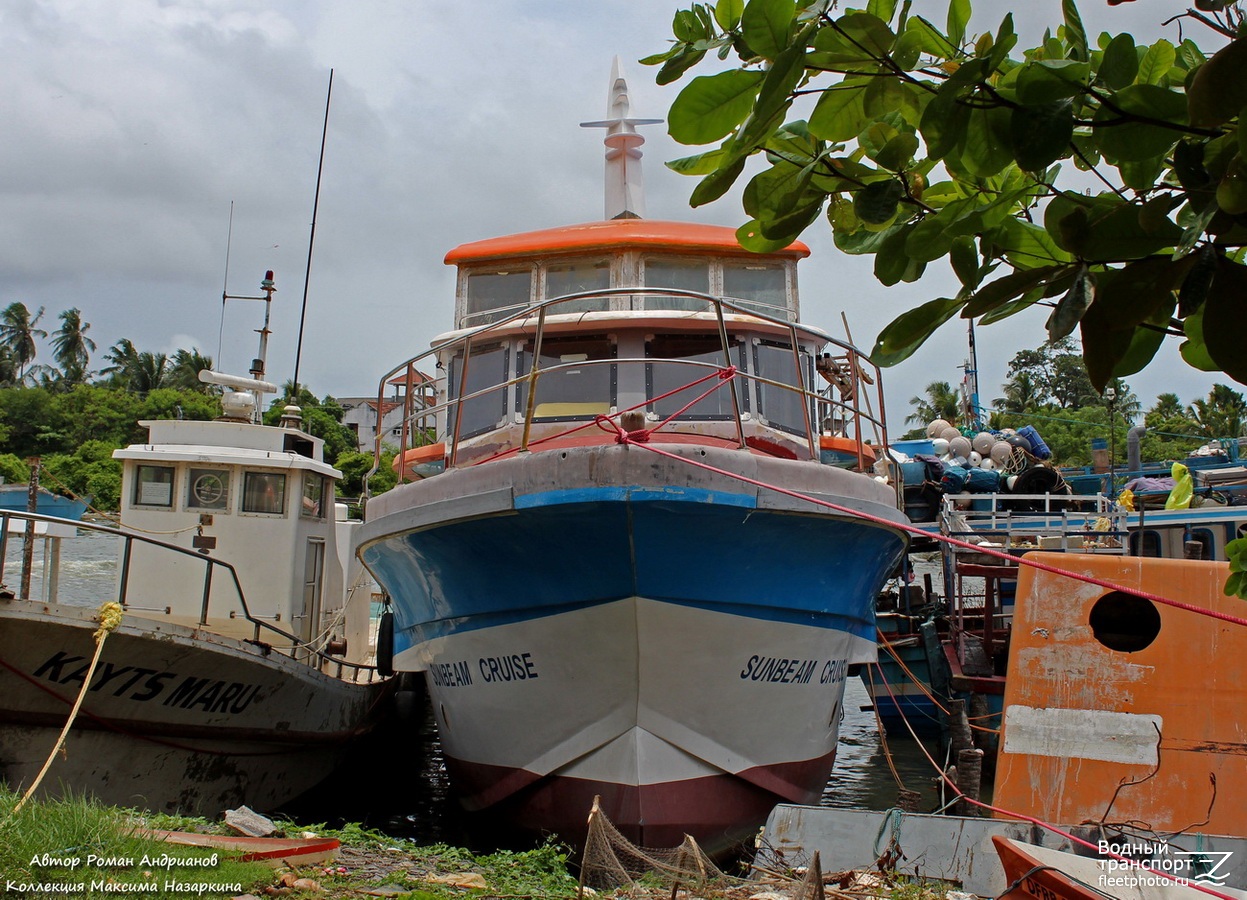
pixel 1110 395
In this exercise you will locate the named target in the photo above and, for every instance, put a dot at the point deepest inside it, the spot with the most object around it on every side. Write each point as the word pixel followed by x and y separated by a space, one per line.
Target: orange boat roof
pixel 613 234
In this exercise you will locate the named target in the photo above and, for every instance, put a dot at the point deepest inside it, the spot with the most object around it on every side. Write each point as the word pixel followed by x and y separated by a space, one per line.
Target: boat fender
pixel 385 644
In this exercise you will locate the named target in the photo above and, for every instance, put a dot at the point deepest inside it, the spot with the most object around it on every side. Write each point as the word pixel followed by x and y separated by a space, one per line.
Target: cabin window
pixel 1145 543
pixel 682 274
pixel 575 277
pixel 664 377
pixel 1207 543
pixel 313 506
pixel 486 375
pixel 782 407
pixel 760 287
pixel 491 296
pixel 264 492
pixel 153 486
pixel 575 378
pixel 207 489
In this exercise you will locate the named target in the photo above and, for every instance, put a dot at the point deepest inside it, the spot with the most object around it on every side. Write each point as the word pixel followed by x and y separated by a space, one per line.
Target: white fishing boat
pixel 641 549
pixel 240 672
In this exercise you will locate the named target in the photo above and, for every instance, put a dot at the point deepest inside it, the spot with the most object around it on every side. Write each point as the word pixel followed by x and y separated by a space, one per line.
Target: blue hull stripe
pixel 551 557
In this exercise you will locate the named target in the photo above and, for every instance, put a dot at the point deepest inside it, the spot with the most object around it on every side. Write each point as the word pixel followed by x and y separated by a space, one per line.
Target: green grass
pixel 76 847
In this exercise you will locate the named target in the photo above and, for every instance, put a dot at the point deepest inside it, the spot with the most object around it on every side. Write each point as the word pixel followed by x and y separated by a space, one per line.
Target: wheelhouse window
pixel 681 274
pixel 759 286
pixel 782 407
pixel 264 492
pixel 207 489
pixel 662 378
pixel 153 486
pixel 314 491
pixel 492 295
pixel 574 278
pixel 486 372
pixel 575 378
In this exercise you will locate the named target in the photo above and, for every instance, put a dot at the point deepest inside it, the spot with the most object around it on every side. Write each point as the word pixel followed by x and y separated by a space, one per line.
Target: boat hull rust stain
pixel 1189 684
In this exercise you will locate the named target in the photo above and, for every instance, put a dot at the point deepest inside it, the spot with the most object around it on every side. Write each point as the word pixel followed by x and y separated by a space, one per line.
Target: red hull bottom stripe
pixel 720 811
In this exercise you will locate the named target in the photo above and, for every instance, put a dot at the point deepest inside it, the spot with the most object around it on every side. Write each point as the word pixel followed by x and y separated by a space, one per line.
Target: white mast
pixel 625 187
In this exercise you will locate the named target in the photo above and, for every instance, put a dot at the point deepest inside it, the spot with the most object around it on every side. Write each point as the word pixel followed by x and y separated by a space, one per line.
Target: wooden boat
pixel 16 497
pixel 1047 874
pixel 276 851
pixel 240 672
pixel 605 596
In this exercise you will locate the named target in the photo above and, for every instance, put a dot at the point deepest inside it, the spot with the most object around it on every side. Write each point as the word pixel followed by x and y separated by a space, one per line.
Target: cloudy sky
pixel 131 127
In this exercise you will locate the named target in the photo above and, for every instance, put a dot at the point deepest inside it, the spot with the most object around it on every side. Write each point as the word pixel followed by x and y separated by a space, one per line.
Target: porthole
pixel 1124 622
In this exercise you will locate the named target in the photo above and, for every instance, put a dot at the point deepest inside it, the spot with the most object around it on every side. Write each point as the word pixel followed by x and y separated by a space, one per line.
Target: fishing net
pixel 613 864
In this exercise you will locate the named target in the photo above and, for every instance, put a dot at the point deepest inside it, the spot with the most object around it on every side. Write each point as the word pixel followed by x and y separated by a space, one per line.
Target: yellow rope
pixel 109 618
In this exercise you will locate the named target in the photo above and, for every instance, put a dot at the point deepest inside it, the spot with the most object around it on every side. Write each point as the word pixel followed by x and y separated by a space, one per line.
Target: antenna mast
pixel 625 187
pixel 311 241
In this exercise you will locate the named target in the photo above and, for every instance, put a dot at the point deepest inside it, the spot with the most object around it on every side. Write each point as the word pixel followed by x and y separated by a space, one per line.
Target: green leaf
pixel 883 9
pixel 700 164
pixel 1049 80
pixel 1040 135
pixel 877 202
pixel 766 26
pixel 958 18
pixel 1195 286
pixel 1075 33
pixel 1156 63
pixel 1235 585
pixel 711 106
pixel 1143 174
pixel 751 238
pixel 1144 343
pixel 862 242
pixel 907 332
pixel 898 152
pixel 930 39
pixel 965 261
pixel 1225 311
pixel 1121 131
pixel 727 13
pixel 1008 287
pixel 1028 246
pixel 1026 301
pixel 685 26
pixel 1120 64
pixel 717 183
pixel 1106 228
pixel 840 114
pixel 985 148
pixel 1069 310
pixel 1194 351
pixel 893 264
pixel 677 65
pixel 932 238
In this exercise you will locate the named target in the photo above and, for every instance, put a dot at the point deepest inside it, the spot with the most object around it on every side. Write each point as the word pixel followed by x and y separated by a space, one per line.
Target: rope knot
pixel 109 618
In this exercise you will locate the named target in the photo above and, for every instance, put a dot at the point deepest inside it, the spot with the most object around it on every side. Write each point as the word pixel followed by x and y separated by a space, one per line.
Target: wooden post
pixel 969 779
pixel 28 539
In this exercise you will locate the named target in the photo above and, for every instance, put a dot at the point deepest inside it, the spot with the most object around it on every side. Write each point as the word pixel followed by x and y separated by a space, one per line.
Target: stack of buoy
pixel 984 461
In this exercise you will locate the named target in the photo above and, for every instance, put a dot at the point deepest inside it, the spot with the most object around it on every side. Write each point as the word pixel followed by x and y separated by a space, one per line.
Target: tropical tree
pixel 1222 414
pixel 1021 394
pixel 123 357
pixel 184 370
pixel 924 142
pixel 147 371
pixel 1171 432
pixel 18 332
pixel 71 348
pixel 942 401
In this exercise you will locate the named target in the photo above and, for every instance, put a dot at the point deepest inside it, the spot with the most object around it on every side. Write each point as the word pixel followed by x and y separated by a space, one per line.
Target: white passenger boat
pixel 240 672
pixel 641 549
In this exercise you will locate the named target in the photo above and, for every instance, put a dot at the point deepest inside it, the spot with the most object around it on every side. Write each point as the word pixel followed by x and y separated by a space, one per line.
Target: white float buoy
pixel 936 428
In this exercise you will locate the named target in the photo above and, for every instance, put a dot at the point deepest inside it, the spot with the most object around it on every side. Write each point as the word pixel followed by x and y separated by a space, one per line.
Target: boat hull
pixel 593 629
pixel 175 720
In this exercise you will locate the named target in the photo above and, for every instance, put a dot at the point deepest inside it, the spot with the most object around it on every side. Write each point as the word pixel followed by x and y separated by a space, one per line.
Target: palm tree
pixel 71 348
pixel 1021 394
pixel 1223 414
pixel 184 370
pixel 123 356
pixel 18 333
pixel 1167 406
pixel 942 402
pixel 147 372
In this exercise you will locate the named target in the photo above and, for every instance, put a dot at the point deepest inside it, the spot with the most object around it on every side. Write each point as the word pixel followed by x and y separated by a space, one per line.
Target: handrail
pixel 297 645
pixel 847 409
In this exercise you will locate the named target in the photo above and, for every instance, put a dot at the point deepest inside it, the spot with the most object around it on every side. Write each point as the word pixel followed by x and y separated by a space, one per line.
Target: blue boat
pixel 15 497
pixel 651 546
